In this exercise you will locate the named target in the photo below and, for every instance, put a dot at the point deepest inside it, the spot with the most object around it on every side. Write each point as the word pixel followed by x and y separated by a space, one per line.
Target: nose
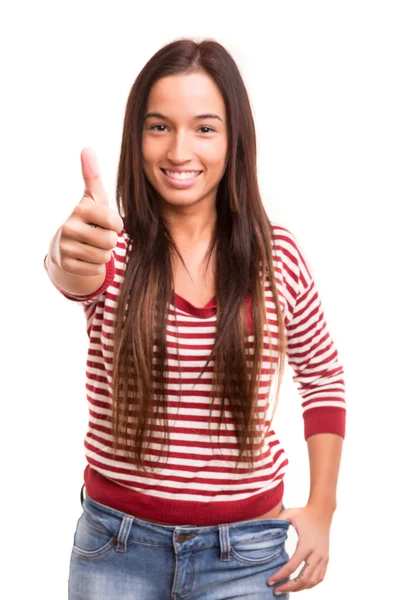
pixel 180 149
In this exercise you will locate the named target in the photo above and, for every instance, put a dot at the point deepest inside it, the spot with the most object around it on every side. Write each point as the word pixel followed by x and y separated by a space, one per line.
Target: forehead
pixel 186 93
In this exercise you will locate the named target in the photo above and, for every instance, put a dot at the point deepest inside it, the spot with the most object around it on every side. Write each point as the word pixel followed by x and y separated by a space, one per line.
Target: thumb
pixel 91 175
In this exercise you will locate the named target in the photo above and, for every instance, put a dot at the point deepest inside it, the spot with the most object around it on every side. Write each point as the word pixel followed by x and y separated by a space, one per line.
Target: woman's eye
pixel 205 127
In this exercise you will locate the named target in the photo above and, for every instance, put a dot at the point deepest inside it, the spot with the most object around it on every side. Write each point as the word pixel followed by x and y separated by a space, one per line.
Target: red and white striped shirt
pixel 199 483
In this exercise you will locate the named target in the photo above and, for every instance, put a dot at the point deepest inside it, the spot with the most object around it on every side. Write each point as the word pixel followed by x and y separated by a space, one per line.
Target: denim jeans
pixel 116 556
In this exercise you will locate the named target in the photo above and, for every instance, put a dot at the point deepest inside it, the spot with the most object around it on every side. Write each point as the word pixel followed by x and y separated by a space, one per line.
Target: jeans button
pixel 182 537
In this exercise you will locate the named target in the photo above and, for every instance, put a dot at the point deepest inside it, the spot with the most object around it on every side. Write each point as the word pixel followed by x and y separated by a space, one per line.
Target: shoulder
pixel 285 243
pixel 284 237
pixel 289 253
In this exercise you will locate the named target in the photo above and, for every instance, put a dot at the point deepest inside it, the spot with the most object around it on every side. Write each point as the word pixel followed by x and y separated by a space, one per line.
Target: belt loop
pixel 224 542
pixel 123 533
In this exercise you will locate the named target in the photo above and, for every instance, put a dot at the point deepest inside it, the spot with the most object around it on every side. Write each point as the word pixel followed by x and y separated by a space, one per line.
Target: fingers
pixel 104 237
pixel 311 574
pixel 105 218
pixel 91 175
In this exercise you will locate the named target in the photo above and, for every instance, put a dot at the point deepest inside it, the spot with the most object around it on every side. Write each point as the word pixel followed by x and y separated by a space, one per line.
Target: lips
pixel 188 171
pixel 181 184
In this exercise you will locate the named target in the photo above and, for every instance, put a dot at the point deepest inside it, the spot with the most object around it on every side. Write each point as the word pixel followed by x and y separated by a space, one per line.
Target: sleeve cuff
pixel 325 419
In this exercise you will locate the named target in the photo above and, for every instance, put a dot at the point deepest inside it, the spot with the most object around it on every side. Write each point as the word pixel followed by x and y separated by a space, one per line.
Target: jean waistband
pixel 127 528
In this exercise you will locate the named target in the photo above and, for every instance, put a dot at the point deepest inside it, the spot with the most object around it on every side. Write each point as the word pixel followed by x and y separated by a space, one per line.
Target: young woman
pixel 193 300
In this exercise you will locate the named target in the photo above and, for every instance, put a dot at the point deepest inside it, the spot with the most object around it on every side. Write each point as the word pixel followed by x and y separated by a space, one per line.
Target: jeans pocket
pixel 259 546
pixel 91 540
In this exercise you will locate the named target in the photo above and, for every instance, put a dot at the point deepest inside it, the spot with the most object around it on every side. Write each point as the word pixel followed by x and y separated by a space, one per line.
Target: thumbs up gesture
pixel 84 242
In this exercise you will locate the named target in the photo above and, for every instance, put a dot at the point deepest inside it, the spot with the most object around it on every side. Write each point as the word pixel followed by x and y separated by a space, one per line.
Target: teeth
pixel 188 175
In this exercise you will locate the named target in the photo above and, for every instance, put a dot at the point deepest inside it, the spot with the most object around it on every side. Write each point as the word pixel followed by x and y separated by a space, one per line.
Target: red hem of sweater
pixel 177 512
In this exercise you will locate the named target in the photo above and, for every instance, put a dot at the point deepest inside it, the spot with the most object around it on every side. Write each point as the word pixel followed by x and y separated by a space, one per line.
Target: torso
pixel 199 292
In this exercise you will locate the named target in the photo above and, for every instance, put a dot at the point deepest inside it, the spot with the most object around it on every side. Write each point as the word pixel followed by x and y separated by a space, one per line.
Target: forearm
pixel 324 451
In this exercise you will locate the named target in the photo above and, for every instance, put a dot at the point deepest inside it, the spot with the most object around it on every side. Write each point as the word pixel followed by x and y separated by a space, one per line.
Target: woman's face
pixel 184 137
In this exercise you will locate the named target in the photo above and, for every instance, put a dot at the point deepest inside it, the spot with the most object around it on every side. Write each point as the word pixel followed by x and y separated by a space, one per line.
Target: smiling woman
pixel 203 300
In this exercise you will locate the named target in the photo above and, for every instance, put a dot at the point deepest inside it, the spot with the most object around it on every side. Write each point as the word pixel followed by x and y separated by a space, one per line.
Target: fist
pixel 84 242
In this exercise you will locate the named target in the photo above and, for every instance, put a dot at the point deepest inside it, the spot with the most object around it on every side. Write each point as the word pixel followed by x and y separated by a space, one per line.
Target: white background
pixel 323 79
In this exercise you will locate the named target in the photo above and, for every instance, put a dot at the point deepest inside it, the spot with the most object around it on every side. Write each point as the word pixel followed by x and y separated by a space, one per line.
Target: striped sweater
pixel 199 484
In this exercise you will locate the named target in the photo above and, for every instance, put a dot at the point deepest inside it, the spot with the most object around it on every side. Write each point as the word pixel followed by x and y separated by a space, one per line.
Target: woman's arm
pixel 313 522
pixel 324 451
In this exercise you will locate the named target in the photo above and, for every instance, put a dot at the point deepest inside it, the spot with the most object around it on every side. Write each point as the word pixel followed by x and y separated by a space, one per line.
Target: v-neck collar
pixel 202 312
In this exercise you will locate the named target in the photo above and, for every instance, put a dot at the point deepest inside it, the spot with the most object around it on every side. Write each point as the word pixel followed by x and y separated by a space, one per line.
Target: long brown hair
pixel 242 240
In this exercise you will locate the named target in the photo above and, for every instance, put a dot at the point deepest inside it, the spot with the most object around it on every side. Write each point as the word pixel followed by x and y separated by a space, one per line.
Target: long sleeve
pixel 311 352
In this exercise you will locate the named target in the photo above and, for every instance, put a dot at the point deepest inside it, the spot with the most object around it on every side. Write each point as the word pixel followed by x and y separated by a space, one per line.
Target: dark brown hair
pixel 242 239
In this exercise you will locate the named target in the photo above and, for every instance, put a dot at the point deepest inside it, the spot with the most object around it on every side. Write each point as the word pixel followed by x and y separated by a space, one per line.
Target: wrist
pixel 321 509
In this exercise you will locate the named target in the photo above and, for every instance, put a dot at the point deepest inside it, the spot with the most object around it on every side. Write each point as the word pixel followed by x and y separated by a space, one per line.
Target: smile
pixel 181 181
pixel 181 176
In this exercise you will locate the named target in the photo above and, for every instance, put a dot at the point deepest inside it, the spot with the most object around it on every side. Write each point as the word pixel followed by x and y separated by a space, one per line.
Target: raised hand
pixel 84 242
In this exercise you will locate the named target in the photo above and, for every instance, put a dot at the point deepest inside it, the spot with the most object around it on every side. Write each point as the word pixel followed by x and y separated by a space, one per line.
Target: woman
pixel 193 285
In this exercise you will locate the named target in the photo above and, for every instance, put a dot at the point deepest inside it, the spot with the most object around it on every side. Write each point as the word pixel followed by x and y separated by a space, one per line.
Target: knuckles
pixel 90 212
pixel 67 229
pixel 112 238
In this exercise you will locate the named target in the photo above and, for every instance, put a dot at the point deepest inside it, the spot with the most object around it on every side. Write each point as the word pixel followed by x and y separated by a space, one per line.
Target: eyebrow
pixel 205 116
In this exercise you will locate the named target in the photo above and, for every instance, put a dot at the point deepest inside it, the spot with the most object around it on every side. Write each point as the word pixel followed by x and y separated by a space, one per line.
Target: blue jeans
pixel 116 556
